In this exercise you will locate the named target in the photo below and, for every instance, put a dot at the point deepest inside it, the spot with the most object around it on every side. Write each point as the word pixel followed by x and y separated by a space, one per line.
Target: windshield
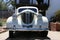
pixel 33 9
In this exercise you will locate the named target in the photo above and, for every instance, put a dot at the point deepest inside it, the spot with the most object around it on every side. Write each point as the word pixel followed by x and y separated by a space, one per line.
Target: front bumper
pixel 27 29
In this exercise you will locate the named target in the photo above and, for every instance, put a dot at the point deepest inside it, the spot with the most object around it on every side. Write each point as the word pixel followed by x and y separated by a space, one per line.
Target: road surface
pixel 54 35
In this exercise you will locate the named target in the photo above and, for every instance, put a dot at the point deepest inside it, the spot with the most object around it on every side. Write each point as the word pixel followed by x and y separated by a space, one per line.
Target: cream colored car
pixel 27 19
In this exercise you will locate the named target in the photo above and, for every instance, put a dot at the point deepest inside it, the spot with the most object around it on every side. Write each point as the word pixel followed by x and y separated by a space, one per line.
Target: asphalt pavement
pixel 53 35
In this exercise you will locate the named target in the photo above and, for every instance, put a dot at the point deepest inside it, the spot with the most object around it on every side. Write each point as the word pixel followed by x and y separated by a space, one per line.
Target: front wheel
pixel 10 34
pixel 44 33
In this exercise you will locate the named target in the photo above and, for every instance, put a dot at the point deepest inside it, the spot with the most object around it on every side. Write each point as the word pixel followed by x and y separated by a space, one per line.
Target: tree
pixel 2 5
pixel 57 15
pixel 5 5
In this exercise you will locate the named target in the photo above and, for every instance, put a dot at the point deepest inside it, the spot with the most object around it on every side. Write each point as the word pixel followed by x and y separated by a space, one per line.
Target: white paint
pixel 14 22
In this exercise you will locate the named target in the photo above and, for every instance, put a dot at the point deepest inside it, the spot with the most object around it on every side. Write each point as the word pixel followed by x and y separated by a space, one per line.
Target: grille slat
pixel 27 18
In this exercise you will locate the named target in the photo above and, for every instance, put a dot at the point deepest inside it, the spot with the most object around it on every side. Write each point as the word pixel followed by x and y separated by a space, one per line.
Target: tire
pixel 10 34
pixel 44 33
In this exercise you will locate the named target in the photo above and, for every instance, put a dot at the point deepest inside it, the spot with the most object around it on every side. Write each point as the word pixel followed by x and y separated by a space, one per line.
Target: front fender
pixel 9 22
pixel 42 22
pixel 13 23
pixel 45 23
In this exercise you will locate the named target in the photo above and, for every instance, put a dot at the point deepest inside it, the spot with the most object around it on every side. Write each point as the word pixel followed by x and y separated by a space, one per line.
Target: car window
pixel 33 9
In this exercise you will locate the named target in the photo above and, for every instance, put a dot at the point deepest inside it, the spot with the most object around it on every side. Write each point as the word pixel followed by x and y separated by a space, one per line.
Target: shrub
pixel 0 23
pixel 56 17
pixel 52 19
pixel 57 14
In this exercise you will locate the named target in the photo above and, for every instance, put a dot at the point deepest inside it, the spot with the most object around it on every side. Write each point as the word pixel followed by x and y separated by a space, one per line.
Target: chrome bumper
pixel 27 29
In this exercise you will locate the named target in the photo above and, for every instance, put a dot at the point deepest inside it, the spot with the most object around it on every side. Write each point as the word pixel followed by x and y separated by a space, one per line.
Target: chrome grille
pixel 27 18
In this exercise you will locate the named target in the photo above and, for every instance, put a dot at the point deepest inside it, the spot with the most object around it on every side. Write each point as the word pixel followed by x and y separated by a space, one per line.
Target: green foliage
pixel 2 5
pixel 0 23
pixel 52 19
pixel 56 17
pixel 13 3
